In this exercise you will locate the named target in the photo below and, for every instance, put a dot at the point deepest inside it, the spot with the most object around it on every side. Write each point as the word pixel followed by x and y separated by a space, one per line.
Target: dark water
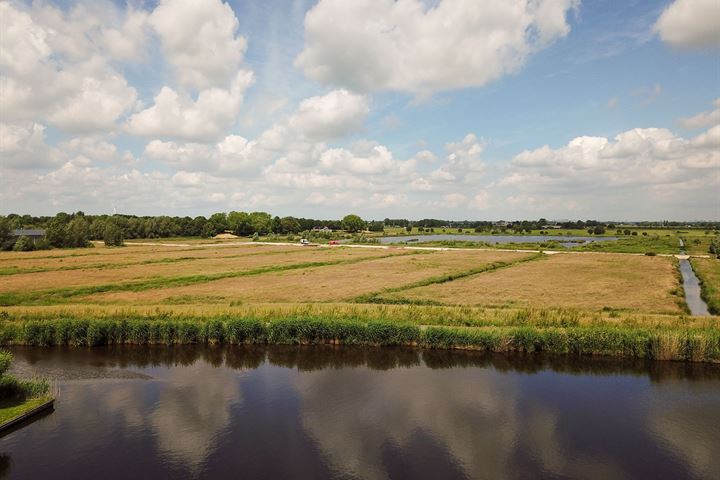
pixel 691 285
pixel 566 241
pixel 324 412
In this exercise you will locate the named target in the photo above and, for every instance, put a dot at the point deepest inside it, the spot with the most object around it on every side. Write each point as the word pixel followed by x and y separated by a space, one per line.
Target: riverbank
pixel 15 413
pixel 20 399
pixel 708 272
pixel 692 341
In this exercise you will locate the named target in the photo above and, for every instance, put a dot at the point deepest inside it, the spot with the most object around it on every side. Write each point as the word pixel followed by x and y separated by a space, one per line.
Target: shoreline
pixel 679 343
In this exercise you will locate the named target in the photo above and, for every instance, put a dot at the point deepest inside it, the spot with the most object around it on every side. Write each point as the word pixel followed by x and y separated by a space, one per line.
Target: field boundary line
pixel 376 297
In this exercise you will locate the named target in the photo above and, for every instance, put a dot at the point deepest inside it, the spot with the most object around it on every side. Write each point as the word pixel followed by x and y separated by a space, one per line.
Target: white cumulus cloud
pixel 177 115
pixel 407 45
pixel 690 24
pixel 200 40
pixel 703 119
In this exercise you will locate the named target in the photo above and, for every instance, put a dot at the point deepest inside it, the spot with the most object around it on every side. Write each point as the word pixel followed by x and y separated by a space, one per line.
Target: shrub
pixel 113 236
pixel 12 387
pixel 6 359
pixel 24 244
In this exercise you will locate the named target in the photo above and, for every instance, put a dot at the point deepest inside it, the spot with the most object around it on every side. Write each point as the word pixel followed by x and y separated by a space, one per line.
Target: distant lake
pixel 564 240
pixel 321 412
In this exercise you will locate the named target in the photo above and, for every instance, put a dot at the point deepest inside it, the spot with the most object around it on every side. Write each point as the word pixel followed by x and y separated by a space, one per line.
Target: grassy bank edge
pixel 658 343
pixel 10 414
pixel 708 291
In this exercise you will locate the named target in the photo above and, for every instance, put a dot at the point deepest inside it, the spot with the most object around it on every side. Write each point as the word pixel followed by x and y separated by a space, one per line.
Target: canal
pixel 375 413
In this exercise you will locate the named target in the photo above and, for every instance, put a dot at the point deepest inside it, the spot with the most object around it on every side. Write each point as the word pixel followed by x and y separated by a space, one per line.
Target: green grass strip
pixel 708 292
pixel 11 409
pixel 376 297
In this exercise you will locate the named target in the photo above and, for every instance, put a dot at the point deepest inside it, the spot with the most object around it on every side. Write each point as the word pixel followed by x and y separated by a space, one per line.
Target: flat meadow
pixel 582 281
pixel 449 298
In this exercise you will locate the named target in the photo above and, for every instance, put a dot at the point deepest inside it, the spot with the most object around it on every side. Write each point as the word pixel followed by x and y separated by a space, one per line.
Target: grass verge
pixel 18 396
pixel 11 409
pixel 708 272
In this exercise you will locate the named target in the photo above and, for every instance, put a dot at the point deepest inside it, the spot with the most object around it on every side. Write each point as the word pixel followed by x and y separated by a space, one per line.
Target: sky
pixel 454 109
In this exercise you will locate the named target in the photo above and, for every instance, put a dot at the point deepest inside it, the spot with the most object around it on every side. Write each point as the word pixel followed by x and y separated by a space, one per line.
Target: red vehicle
pixel 333 242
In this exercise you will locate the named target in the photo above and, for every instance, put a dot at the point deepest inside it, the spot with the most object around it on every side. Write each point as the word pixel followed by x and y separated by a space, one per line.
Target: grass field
pixel 708 271
pixel 596 282
pixel 474 290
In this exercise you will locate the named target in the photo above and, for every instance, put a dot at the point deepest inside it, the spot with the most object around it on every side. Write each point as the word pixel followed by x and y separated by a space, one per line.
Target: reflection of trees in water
pixel 318 357
pixel 5 464
pixel 383 406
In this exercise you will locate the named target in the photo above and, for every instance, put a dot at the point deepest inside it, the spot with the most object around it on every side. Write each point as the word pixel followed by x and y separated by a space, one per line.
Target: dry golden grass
pixel 327 283
pixel 639 283
pixel 101 256
pixel 209 261
pixel 586 282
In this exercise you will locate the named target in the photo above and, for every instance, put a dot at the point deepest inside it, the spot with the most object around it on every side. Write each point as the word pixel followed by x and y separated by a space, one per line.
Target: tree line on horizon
pixel 67 230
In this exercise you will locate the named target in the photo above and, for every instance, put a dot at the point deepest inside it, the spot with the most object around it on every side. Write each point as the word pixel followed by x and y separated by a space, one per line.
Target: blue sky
pixel 452 109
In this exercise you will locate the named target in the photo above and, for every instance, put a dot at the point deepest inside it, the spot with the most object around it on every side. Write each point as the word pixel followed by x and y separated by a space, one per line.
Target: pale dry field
pixel 587 281
pixel 101 256
pixel 208 262
pixel 326 283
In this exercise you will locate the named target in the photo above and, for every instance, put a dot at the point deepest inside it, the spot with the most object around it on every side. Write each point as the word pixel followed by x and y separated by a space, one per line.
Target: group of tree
pixel 67 230
pixel 78 229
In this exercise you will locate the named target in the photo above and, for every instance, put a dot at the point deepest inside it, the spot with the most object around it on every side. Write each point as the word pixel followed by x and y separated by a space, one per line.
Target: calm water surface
pixel 691 285
pixel 324 412
pixel 566 241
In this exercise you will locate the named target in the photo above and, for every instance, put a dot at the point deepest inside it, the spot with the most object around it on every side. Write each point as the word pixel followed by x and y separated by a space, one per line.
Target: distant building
pixel 321 229
pixel 34 234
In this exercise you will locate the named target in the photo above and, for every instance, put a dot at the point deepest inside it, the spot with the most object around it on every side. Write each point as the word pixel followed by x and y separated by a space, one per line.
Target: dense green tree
pixel 260 222
pixel 290 225
pixel 77 233
pixel 55 232
pixel 4 230
pixel 239 223
pixel 276 225
pixel 219 222
pixel 97 228
pixel 353 223
pixel 376 226
pixel 24 244
pixel 113 235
